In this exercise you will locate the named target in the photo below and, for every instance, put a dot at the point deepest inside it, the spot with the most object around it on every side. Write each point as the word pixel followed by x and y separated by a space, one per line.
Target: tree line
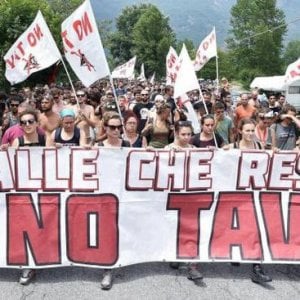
pixel 254 46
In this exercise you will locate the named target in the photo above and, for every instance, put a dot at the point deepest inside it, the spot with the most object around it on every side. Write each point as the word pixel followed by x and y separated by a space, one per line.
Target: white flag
pixel 292 72
pixel 186 79
pixel 206 50
pixel 83 46
pixel 142 76
pixel 171 66
pixel 126 70
pixel 152 79
pixel 189 112
pixel 33 51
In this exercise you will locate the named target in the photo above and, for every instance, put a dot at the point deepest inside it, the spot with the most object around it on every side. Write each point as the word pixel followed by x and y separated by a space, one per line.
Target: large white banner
pixel 126 70
pixel 33 51
pixel 83 46
pixel 206 50
pixel 105 207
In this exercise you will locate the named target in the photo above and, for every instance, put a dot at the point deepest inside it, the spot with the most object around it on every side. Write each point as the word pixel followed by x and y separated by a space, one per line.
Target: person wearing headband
pixel 67 134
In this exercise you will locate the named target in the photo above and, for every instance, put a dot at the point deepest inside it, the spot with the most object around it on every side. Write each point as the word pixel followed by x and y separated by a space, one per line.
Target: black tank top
pixel 74 141
pixel 257 145
pixel 41 141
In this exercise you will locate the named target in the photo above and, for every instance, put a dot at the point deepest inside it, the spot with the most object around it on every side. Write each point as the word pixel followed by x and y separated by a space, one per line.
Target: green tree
pixel 121 41
pixel 256 38
pixel 152 37
pixel 292 52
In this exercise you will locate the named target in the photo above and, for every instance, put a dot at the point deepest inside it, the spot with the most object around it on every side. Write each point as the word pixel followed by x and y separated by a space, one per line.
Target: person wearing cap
pixel 67 134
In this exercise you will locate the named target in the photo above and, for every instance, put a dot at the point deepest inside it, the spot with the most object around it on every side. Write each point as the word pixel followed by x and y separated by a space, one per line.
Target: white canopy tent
pixel 270 83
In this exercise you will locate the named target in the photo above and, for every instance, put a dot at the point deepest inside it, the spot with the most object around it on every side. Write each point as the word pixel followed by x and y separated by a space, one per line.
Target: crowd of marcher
pixel 140 114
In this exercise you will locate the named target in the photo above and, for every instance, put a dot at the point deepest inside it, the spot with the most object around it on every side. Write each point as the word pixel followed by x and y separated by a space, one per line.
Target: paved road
pixel 154 281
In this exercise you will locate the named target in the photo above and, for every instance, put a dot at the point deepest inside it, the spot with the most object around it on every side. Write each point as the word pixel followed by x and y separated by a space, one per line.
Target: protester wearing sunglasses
pixel 85 116
pixel 31 137
pixel 28 120
pixel 113 127
pixel 17 130
pixel 141 110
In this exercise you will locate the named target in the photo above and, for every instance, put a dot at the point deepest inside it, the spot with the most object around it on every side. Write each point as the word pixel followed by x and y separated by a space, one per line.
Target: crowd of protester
pixel 140 114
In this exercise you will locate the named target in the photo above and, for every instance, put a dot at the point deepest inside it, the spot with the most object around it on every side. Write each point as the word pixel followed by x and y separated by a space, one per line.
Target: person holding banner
pixel 67 134
pixel 247 138
pixel 113 126
pixel 183 132
pixel 30 138
pixel 131 134
pixel 205 138
pixel 248 141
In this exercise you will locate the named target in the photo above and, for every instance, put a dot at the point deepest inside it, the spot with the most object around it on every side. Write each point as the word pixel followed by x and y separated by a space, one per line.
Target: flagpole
pixel 217 62
pixel 117 102
pixel 115 96
pixel 69 77
pixel 217 72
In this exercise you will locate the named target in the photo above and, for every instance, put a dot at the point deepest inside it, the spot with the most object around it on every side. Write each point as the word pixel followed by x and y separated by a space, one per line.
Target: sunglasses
pixel 27 122
pixel 80 95
pixel 144 94
pixel 114 127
